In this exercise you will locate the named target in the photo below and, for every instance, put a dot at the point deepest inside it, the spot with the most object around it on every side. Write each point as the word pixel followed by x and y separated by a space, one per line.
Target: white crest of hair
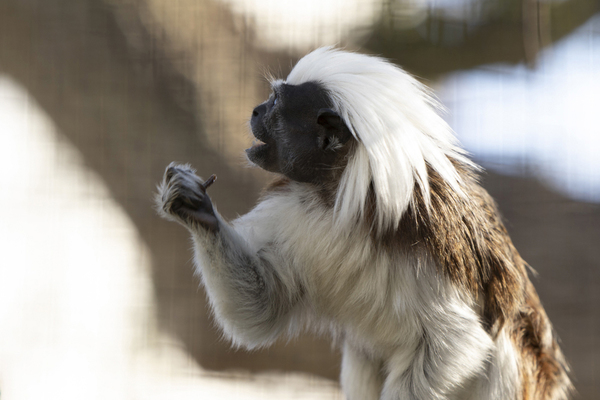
pixel 397 125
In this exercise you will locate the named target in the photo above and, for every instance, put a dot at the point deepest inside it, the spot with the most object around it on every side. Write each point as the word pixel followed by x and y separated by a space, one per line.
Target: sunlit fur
pixel 409 269
pixel 394 118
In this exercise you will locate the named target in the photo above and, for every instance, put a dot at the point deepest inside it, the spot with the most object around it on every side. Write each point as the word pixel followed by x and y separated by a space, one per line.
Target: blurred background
pixel 97 295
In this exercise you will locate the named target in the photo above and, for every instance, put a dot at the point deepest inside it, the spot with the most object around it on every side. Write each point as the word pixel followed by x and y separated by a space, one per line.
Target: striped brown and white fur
pixel 404 261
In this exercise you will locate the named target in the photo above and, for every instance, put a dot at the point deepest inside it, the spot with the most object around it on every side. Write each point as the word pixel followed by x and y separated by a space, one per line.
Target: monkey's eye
pixel 275 100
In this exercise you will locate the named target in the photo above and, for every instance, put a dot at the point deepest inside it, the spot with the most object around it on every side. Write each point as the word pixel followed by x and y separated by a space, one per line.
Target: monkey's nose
pixel 257 114
pixel 259 111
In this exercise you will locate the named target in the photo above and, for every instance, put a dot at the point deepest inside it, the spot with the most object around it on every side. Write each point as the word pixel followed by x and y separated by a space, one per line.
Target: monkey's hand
pixel 182 197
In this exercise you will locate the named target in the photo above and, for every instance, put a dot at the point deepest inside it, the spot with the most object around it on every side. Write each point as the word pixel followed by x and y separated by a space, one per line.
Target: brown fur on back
pixel 543 368
pixel 471 245
pixel 473 248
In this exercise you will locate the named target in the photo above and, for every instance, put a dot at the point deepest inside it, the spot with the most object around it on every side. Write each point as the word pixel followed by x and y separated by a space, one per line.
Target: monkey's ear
pixel 337 131
pixel 329 119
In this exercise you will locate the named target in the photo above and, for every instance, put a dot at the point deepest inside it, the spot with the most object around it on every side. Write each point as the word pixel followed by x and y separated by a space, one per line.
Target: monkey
pixel 376 232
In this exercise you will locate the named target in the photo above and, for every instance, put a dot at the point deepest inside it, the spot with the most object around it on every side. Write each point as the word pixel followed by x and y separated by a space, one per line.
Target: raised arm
pixel 250 289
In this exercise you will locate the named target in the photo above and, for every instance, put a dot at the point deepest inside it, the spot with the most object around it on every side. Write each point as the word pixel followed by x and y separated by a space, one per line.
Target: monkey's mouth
pixel 256 144
pixel 258 152
pixel 263 152
pixel 259 143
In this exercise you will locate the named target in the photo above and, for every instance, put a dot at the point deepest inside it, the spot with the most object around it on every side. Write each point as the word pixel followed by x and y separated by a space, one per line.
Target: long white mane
pixel 395 120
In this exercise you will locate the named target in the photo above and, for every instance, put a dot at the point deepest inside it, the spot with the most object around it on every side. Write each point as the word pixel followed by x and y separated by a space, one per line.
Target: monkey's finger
pixel 170 171
pixel 192 201
pixel 209 181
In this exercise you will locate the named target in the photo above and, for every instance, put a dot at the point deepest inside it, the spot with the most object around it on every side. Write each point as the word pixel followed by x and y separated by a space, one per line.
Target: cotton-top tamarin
pixel 376 232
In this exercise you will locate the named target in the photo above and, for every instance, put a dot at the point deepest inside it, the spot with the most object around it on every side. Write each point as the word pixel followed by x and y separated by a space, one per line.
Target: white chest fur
pixel 388 296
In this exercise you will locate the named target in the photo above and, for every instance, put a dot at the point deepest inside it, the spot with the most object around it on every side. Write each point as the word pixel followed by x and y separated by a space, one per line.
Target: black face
pixel 302 137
